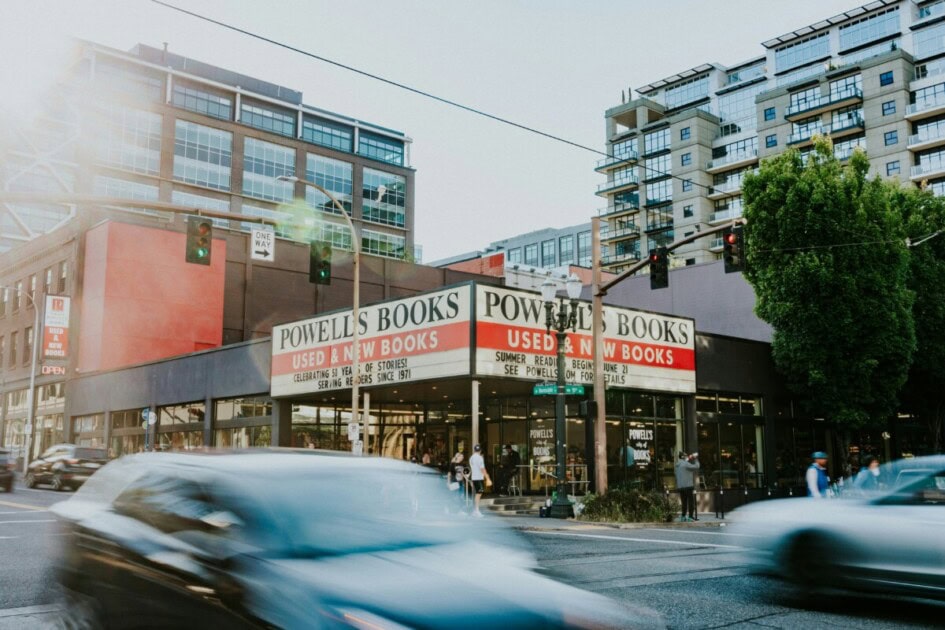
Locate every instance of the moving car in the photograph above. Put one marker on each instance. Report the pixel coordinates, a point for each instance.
(65, 466)
(891, 539)
(300, 539)
(7, 464)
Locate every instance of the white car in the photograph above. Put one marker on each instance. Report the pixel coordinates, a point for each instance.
(889, 539)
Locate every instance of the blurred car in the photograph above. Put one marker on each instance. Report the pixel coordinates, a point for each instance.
(7, 465)
(65, 466)
(891, 539)
(300, 539)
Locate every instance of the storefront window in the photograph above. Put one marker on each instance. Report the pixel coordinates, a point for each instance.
(243, 437)
(89, 430)
(179, 440)
(48, 432)
(127, 435)
(181, 414)
(669, 441)
(709, 454)
(577, 473)
(180, 427)
(238, 408)
(319, 428)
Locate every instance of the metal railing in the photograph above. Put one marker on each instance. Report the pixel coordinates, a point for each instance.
(613, 160)
(617, 182)
(845, 94)
(731, 158)
(724, 215)
(608, 232)
(927, 135)
(928, 169)
(927, 103)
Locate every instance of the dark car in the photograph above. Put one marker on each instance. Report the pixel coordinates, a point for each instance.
(65, 466)
(7, 465)
(300, 539)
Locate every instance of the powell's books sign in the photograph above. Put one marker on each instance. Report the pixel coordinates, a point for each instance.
(483, 331)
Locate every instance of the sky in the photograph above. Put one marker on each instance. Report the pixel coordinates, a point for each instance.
(555, 65)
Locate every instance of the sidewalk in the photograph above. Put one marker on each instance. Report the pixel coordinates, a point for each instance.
(46, 616)
(558, 524)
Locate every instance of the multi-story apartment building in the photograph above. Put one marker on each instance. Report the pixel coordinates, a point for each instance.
(872, 77)
(545, 249)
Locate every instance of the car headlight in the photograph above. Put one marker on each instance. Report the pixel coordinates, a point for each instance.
(364, 620)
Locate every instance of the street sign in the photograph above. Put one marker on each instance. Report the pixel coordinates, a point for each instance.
(550, 389)
(152, 418)
(354, 431)
(357, 447)
(263, 245)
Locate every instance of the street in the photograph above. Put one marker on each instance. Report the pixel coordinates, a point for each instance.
(694, 577)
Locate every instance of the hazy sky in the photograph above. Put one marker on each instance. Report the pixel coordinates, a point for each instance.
(552, 64)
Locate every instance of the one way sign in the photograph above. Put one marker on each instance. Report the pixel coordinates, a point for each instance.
(263, 245)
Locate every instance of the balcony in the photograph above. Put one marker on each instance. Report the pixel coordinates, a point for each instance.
(925, 171)
(827, 102)
(725, 215)
(926, 107)
(927, 138)
(838, 128)
(928, 14)
(716, 243)
(612, 161)
(611, 259)
(731, 160)
(618, 183)
(844, 153)
(805, 135)
(618, 209)
(729, 187)
(623, 230)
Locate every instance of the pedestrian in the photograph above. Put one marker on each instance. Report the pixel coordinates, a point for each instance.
(867, 480)
(687, 467)
(817, 480)
(478, 475)
(513, 462)
(425, 460)
(458, 476)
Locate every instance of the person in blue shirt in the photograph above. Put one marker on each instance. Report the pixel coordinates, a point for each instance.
(817, 480)
(867, 479)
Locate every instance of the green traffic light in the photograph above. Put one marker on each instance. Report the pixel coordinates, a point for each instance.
(202, 252)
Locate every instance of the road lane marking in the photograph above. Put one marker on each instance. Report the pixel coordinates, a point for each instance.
(47, 520)
(19, 512)
(30, 610)
(650, 540)
(687, 531)
(24, 506)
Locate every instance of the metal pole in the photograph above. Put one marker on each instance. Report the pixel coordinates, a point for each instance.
(29, 393)
(597, 326)
(475, 412)
(561, 508)
(356, 298)
(366, 447)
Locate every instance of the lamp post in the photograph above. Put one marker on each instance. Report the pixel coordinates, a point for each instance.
(356, 297)
(565, 318)
(28, 434)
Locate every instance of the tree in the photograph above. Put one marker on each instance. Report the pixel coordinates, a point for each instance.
(924, 392)
(827, 258)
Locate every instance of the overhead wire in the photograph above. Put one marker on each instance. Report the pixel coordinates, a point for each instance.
(468, 108)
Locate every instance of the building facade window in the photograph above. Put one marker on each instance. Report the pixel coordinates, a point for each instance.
(263, 162)
(566, 249)
(132, 80)
(802, 52)
(686, 159)
(687, 185)
(847, 86)
(48, 281)
(769, 113)
(738, 111)
(202, 101)
(548, 253)
(31, 303)
(686, 92)
(660, 239)
(929, 41)
(803, 98)
(891, 137)
(114, 187)
(843, 149)
(381, 244)
(886, 78)
(381, 148)
(657, 141)
(63, 277)
(27, 344)
(661, 166)
(385, 197)
(743, 148)
(687, 212)
(846, 118)
(19, 298)
(771, 141)
(268, 118)
(203, 202)
(531, 255)
(892, 168)
(334, 176)
(684, 133)
(659, 192)
(4, 299)
(202, 155)
(3, 349)
(933, 159)
(889, 108)
(870, 28)
(625, 148)
(515, 255)
(14, 340)
(584, 248)
(129, 139)
(89, 431)
(659, 218)
(328, 133)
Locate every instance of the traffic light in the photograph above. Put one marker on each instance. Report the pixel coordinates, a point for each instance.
(733, 243)
(659, 268)
(319, 265)
(199, 240)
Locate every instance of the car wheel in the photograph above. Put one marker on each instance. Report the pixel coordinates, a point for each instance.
(815, 560)
(57, 484)
(29, 481)
(81, 613)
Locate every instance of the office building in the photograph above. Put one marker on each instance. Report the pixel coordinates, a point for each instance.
(871, 77)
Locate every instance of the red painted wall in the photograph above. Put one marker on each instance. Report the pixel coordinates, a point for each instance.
(141, 301)
(488, 265)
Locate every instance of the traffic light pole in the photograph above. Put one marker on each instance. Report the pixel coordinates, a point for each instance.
(598, 291)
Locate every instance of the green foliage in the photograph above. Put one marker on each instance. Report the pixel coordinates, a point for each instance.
(827, 258)
(625, 505)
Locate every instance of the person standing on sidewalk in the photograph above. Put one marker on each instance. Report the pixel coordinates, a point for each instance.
(477, 472)
(817, 480)
(686, 469)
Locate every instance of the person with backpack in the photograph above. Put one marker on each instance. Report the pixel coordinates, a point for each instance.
(687, 467)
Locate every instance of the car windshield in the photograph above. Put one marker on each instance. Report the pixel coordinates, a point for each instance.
(322, 513)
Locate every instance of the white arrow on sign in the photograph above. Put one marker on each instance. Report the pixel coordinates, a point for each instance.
(263, 245)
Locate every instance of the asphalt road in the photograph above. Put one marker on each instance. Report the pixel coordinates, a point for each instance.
(698, 578)
(695, 578)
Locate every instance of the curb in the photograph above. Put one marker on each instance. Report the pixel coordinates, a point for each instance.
(574, 524)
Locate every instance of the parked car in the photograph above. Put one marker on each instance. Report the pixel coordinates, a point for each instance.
(65, 466)
(7, 464)
(300, 539)
(888, 540)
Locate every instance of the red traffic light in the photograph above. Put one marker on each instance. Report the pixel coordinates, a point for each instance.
(654, 257)
(731, 238)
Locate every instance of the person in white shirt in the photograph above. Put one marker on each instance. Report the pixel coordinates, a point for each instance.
(477, 473)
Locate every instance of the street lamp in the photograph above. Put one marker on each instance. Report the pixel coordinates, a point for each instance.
(356, 298)
(28, 434)
(565, 318)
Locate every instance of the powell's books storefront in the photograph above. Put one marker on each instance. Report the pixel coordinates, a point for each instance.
(444, 369)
